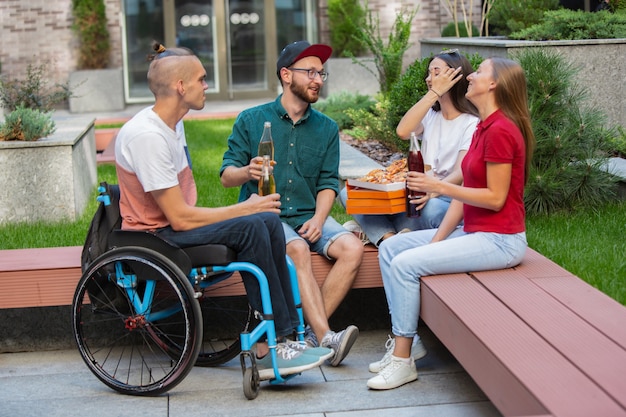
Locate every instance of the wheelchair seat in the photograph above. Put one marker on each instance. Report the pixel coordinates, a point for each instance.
(184, 258)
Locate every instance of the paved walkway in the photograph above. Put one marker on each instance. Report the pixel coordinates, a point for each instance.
(57, 383)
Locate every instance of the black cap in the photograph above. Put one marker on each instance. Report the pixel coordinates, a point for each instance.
(301, 49)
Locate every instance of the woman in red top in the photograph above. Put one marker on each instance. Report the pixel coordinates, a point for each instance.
(484, 227)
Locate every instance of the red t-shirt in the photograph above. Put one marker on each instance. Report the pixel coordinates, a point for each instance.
(496, 139)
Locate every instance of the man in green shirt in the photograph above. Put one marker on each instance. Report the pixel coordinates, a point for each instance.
(306, 169)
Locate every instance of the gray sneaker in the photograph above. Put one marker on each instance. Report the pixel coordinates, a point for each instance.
(418, 351)
(289, 361)
(341, 343)
(310, 338)
(322, 352)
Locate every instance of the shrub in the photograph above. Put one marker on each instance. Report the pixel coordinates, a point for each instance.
(26, 124)
(335, 107)
(32, 92)
(575, 24)
(568, 164)
(508, 16)
(373, 124)
(616, 144)
(90, 24)
(344, 19)
(449, 30)
(387, 56)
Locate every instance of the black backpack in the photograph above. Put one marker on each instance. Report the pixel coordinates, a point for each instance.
(106, 219)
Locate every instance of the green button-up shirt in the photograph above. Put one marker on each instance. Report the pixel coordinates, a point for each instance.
(306, 155)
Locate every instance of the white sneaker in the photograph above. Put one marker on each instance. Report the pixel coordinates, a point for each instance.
(356, 230)
(418, 351)
(397, 372)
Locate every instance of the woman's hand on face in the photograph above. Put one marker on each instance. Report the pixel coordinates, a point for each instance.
(445, 80)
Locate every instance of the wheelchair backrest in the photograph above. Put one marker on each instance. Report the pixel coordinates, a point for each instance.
(104, 233)
(106, 219)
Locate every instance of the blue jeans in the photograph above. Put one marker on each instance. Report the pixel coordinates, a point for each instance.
(331, 230)
(406, 257)
(258, 239)
(375, 226)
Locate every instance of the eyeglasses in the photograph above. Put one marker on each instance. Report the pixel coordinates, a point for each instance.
(449, 52)
(312, 73)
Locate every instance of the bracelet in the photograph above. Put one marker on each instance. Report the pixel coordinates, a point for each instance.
(438, 95)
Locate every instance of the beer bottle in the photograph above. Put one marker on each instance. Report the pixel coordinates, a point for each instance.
(266, 144)
(267, 185)
(415, 163)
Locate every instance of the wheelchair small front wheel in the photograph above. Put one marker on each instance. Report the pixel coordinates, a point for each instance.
(136, 321)
(251, 383)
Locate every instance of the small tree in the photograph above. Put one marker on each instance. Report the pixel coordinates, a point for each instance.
(452, 7)
(387, 56)
(90, 25)
(33, 91)
(344, 19)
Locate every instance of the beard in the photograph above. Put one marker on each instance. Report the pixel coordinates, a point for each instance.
(303, 93)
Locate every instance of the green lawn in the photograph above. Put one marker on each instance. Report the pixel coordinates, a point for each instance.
(590, 244)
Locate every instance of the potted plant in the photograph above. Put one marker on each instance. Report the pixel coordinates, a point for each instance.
(96, 87)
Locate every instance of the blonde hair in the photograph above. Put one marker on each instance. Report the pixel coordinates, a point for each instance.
(512, 98)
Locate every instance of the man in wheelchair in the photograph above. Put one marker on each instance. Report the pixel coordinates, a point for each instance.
(158, 194)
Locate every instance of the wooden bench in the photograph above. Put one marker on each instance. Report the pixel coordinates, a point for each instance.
(48, 276)
(535, 338)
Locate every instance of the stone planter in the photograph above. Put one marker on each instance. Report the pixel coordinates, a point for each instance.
(600, 62)
(50, 179)
(97, 90)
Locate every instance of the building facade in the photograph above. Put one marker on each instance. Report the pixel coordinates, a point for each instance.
(238, 41)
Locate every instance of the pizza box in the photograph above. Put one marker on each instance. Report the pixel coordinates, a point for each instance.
(376, 206)
(393, 186)
(364, 193)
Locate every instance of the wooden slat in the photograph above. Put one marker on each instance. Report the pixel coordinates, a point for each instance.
(590, 350)
(519, 371)
(593, 306)
(535, 265)
(369, 273)
(42, 288)
(48, 276)
(41, 258)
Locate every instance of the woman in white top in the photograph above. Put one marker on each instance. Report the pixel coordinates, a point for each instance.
(446, 123)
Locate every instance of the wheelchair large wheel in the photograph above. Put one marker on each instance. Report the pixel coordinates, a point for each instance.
(136, 321)
(224, 319)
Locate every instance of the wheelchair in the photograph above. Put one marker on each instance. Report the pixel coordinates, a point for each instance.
(144, 312)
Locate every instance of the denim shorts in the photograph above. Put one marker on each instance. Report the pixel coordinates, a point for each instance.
(330, 232)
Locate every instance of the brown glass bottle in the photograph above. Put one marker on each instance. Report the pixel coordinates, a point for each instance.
(415, 162)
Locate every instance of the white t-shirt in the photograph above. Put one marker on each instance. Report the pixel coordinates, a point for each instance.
(150, 156)
(442, 140)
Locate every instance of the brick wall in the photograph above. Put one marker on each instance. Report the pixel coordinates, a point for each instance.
(39, 32)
